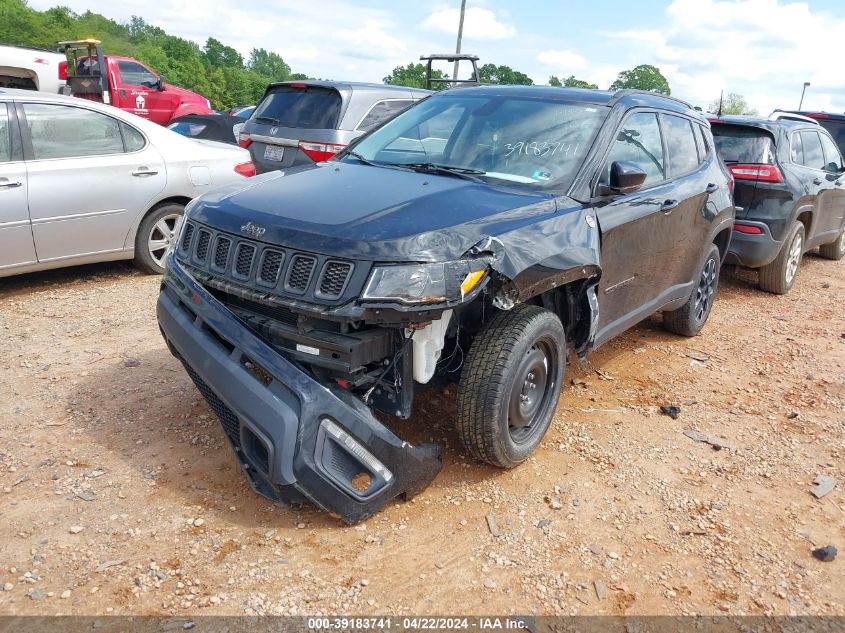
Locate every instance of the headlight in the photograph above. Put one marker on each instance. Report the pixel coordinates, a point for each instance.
(419, 284)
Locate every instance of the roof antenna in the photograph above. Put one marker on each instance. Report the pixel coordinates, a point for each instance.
(721, 97)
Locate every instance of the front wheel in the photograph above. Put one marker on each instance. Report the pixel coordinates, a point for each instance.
(691, 317)
(510, 385)
(157, 234)
(835, 250)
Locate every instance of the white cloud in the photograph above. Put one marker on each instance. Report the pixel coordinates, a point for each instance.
(479, 23)
(764, 49)
(562, 61)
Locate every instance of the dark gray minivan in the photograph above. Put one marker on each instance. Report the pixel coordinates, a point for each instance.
(301, 122)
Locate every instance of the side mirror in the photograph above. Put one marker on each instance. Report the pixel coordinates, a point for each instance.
(625, 177)
(160, 83)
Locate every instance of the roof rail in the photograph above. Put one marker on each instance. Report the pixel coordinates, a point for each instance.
(781, 115)
(627, 92)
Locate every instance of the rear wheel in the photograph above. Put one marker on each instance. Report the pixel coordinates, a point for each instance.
(691, 317)
(157, 234)
(835, 250)
(510, 385)
(779, 276)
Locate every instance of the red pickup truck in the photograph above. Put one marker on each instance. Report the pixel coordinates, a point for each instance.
(125, 83)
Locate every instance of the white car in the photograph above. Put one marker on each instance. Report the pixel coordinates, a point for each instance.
(31, 69)
(85, 182)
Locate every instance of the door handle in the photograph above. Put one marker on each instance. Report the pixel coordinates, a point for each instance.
(142, 172)
(818, 181)
(712, 188)
(668, 206)
(10, 184)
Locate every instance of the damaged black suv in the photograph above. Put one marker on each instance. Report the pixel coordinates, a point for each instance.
(482, 234)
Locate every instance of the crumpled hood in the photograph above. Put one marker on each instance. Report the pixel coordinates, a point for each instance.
(364, 212)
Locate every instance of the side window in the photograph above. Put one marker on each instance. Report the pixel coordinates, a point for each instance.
(134, 74)
(639, 142)
(680, 142)
(133, 140)
(59, 131)
(796, 150)
(832, 157)
(381, 112)
(813, 154)
(5, 135)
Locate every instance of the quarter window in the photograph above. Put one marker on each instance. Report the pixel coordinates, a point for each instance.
(796, 151)
(5, 136)
(832, 157)
(639, 142)
(133, 140)
(63, 131)
(381, 112)
(133, 74)
(813, 154)
(680, 141)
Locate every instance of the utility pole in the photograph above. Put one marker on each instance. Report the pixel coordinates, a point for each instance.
(460, 36)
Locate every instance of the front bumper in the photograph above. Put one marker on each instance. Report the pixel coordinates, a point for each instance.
(294, 437)
(753, 250)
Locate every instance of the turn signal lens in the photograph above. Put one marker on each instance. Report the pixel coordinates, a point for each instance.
(470, 282)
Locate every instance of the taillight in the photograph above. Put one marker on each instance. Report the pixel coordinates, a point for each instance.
(748, 229)
(244, 140)
(63, 70)
(245, 169)
(319, 151)
(759, 173)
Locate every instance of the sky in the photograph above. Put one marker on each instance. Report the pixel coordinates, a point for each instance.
(762, 49)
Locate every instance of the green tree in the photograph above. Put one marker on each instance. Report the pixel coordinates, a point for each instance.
(733, 103)
(492, 74)
(572, 82)
(219, 55)
(413, 76)
(643, 77)
(268, 64)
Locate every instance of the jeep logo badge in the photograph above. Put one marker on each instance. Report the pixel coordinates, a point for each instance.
(253, 229)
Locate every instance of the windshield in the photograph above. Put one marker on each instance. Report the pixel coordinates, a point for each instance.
(743, 144)
(537, 143)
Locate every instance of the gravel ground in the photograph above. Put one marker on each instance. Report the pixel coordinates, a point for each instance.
(120, 495)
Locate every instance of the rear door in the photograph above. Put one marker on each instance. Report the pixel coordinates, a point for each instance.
(90, 177)
(16, 245)
(137, 92)
(634, 233)
(294, 114)
(809, 156)
(832, 207)
(684, 221)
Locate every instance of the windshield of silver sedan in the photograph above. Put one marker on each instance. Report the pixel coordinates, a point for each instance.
(533, 142)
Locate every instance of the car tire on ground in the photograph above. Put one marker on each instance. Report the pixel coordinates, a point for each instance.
(691, 317)
(510, 385)
(835, 250)
(779, 276)
(157, 233)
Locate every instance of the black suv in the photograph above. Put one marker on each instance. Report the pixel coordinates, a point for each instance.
(832, 122)
(480, 235)
(790, 194)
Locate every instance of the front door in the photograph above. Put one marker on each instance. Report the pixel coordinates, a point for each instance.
(90, 178)
(16, 246)
(635, 240)
(138, 94)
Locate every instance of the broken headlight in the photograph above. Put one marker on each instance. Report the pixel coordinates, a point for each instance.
(420, 284)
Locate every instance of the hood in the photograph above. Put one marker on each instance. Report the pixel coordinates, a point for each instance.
(364, 212)
(184, 95)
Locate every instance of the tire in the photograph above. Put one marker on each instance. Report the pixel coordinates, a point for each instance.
(779, 276)
(691, 317)
(835, 250)
(501, 417)
(160, 227)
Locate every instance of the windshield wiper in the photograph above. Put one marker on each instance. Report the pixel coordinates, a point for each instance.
(267, 119)
(447, 170)
(361, 159)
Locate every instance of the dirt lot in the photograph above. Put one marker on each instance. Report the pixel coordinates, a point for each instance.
(120, 494)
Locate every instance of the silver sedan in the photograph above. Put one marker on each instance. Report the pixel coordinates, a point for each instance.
(84, 182)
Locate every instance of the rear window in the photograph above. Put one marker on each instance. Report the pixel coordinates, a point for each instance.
(313, 108)
(837, 131)
(743, 144)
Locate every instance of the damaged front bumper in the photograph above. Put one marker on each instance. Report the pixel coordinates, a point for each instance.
(294, 437)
